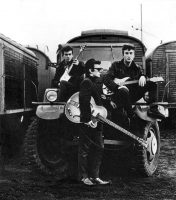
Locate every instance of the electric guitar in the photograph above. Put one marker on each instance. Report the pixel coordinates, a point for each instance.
(72, 112)
(124, 81)
(66, 76)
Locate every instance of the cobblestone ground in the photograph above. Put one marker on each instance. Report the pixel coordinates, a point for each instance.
(18, 182)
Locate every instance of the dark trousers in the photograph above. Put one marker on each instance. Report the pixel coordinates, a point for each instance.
(67, 89)
(126, 97)
(90, 151)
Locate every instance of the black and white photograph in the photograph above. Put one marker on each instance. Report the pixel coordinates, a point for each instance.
(87, 100)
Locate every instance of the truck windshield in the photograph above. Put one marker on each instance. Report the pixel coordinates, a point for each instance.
(103, 52)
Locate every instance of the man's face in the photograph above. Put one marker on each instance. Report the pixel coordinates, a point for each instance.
(96, 71)
(128, 56)
(68, 55)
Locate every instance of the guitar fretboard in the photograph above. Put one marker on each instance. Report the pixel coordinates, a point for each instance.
(155, 79)
(117, 127)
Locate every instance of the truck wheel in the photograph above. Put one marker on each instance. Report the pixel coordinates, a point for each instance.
(146, 159)
(43, 148)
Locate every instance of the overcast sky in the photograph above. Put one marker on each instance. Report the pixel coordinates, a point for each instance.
(50, 22)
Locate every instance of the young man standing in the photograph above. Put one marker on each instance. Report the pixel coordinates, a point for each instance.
(125, 96)
(68, 80)
(91, 142)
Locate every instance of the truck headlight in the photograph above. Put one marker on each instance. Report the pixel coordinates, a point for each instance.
(51, 95)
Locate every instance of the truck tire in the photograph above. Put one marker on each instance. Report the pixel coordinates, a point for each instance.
(43, 148)
(146, 159)
(172, 117)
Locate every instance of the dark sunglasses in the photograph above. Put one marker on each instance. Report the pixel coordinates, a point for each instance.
(98, 69)
(67, 54)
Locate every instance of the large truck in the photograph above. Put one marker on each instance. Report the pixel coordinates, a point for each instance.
(51, 140)
(162, 62)
(24, 73)
(45, 73)
(18, 88)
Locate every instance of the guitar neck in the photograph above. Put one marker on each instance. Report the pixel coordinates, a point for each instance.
(107, 121)
(99, 117)
(135, 81)
(130, 82)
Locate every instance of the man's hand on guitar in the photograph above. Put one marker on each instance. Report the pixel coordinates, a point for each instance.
(92, 123)
(120, 82)
(113, 104)
(75, 62)
(142, 81)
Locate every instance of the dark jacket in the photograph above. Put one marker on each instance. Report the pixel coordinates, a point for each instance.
(76, 73)
(119, 70)
(89, 87)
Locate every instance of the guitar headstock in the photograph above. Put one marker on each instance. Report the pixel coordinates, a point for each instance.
(82, 48)
(157, 79)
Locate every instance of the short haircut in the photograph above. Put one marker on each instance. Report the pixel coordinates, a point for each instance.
(90, 65)
(128, 47)
(66, 49)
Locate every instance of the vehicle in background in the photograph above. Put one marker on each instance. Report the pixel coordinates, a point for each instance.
(18, 88)
(45, 73)
(162, 62)
(24, 75)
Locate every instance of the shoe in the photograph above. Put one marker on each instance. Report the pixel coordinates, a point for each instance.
(87, 181)
(98, 181)
(154, 113)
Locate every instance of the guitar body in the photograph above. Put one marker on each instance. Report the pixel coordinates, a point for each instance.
(72, 110)
(65, 76)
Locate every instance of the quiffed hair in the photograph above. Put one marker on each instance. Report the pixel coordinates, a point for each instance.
(128, 47)
(66, 49)
(90, 65)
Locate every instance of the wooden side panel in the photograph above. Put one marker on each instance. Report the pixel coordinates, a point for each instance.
(45, 74)
(15, 97)
(171, 74)
(159, 69)
(163, 64)
(1, 79)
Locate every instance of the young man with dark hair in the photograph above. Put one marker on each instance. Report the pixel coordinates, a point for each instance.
(91, 142)
(67, 49)
(127, 95)
(68, 80)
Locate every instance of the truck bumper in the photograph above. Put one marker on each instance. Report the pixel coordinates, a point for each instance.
(50, 112)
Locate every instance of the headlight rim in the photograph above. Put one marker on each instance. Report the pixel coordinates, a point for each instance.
(48, 95)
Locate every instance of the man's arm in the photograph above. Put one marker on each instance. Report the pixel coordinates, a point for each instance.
(78, 69)
(58, 74)
(84, 100)
(141, 76)
(108, 78)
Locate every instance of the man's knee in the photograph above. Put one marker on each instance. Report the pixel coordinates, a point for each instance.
(123, 92)
(151, 86)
